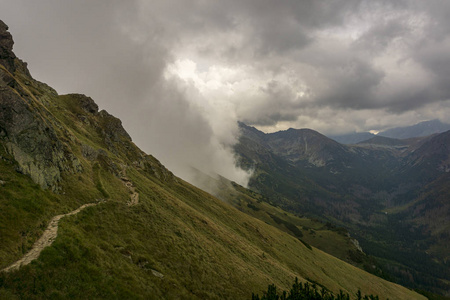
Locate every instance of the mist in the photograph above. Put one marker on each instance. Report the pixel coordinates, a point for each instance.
(180, 74)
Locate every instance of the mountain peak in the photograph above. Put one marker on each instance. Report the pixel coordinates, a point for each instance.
(421, 129)
(7, 56)
(304, 134)
(297, 145)
(6, 40)
(301, 131)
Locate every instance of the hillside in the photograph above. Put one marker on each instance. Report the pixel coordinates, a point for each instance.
(352, 138)
(418, 130)
(383, 191)
(145, 233)
(322, 235)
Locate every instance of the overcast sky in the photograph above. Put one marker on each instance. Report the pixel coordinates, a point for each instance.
(180, 73)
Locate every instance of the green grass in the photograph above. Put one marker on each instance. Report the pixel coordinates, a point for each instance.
(331, 239)
(204, 247)
(24, 211)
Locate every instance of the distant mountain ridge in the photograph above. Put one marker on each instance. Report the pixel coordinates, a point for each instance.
(352, 138)
(418, 130)
(381, 140)
(300, 144)
(370, 188)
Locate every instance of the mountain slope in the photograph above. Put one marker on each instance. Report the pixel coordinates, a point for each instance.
(434, 154)
(417, 130)
(371, 189)
(384, 141)
(352, 138)
(322, 235)
(309, 166)
(297, 145)
(178, 242)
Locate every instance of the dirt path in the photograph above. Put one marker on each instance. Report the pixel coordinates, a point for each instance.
(134, 196)
(45, 240)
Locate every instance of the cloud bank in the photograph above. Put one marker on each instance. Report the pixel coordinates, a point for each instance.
(180, 74)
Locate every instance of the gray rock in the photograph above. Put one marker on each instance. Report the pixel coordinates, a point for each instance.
(6, 44)
(157, 274)
(86, 103)
(7, 57)
(89, 152)
(113, 128)
(26, 128)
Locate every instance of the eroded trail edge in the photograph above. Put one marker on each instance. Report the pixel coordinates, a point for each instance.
(134, 196)
(45, 240)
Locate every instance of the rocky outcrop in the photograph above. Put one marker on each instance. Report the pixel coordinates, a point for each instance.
(90, 153)
(6, 44)
(153, 166)
(86, 103)
(32, 141)
(7, 57)
(26, 128)
(34, 133)
(113, 128)
(109, 127)
(113, 132)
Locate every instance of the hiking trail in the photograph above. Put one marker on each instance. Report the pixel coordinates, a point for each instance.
(134, 196)
(47, 238)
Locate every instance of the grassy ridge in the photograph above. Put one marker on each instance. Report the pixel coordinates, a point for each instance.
(204, 248)
(330, 239)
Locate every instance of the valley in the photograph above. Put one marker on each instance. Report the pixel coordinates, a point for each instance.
(379, 190)
(154, 236)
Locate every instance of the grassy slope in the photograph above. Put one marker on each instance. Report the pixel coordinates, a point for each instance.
(204, 247)
(328, 238)
(400, 243)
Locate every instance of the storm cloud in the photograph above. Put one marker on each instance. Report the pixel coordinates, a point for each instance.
(180, 74)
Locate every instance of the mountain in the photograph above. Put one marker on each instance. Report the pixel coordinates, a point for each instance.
(434, 154)
(312, 155)
(418, 130)
(384, 141)
(298, 145)
(352, 138)
(322, 235)
(85, 214)
(370, 188)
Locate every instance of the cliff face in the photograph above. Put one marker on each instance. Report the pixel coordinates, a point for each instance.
(40, 144)
(6, 44)
(23, 129)
(32, 126)
(7, 57)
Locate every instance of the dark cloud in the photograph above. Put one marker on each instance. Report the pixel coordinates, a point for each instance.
(108, 51)
(351, 85)
(181, 73)
(381, 35)
(279, 37)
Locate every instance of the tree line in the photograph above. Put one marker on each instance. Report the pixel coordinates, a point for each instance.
(307, 291)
